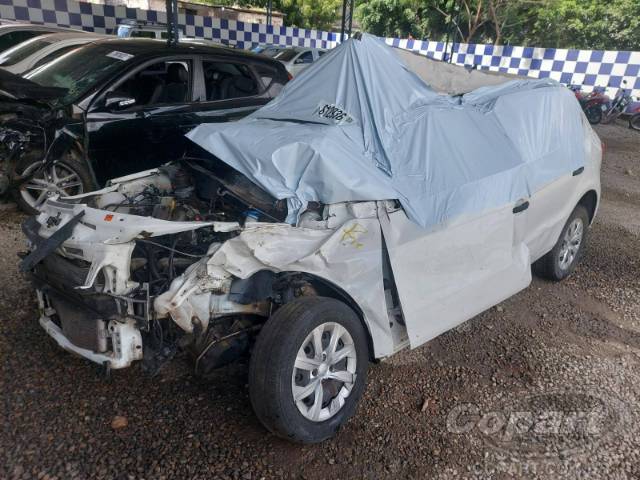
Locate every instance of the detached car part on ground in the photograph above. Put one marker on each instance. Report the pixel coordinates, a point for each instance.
(118, 106)
(312, 242)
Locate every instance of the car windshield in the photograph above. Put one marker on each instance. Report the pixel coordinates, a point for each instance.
(285, 55)
(79, 70)
(22, 51)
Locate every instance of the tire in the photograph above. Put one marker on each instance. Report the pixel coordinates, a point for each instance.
(555, 265)
(71, 164)
(273, 377)
(634, 122)
(594, 114)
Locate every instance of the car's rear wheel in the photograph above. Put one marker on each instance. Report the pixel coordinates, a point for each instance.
(67, 176)
(308, 369)
(634, 122)
(560, 262)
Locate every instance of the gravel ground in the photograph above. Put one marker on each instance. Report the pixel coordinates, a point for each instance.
(544, 385)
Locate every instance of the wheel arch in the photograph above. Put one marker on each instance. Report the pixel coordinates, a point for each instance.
(590, 201)
(291, 284)
(327, 288)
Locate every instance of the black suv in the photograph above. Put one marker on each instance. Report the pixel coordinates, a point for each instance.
(115, 107)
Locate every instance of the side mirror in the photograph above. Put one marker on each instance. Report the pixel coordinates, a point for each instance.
(118, 101)
(299, 61)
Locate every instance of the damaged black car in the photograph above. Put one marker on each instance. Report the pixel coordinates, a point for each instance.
(114, 107)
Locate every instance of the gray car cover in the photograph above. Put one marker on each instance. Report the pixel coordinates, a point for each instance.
(360, 125)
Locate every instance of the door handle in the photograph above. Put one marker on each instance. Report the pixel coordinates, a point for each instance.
(521, 207)
(578, 171)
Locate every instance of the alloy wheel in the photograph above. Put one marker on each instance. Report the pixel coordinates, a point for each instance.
(57, 179)
(571, 243)
(324, 372)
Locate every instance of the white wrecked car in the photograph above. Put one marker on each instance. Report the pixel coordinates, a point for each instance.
(359, 213)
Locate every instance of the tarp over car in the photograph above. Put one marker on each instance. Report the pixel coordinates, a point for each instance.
(359, 124)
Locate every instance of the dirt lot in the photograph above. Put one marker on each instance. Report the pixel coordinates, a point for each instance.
(544, 385)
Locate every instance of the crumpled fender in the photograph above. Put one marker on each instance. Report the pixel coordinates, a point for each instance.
(349, 257)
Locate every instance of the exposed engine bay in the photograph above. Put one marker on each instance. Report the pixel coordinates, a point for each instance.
(157, 310)
(190, 191)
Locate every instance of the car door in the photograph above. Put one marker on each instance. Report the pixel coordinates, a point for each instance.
(144, 129)
(449, 273)
(550, 209)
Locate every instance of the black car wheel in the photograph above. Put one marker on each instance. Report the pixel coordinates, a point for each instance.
(67, 176)
(308, 369)
(560, 262)
(594, 114)
(634, 122)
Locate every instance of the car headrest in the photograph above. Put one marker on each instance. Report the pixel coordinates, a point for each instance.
(177, 73)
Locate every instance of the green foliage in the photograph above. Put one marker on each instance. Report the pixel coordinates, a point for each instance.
(588, 24)
(592, 24)
(318, 14)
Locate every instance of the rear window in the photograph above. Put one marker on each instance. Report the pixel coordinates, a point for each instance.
(271, 51)
(285, 55)
(21, 51)
(271, 78)
(13, 38)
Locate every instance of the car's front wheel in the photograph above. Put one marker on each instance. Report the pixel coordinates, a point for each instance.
(308, 369)
(66, 177)
(563, 257)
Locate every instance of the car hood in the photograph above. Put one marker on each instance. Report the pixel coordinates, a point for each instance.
(15, 87)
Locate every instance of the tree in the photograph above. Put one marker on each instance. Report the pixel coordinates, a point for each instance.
(317, 14)
(587, 24)
(401, 18)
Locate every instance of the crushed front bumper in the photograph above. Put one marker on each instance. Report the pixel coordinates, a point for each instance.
(122, 339)
(93, 325)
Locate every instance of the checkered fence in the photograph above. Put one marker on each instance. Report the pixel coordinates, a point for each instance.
(105, 18)
(588, 68)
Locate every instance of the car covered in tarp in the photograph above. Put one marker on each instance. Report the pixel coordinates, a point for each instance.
(380, 200)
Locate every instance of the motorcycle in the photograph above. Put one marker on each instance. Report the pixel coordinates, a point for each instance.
(593, 104)
(633, 111)
(618, 105)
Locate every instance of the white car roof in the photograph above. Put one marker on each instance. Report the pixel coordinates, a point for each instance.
(59, 37)
(11, 27)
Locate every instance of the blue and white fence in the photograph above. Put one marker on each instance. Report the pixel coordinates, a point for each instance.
(105, 18)
(588, 68)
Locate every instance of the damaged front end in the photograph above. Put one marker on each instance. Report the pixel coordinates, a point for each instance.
(148, 266)
(36, 130)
